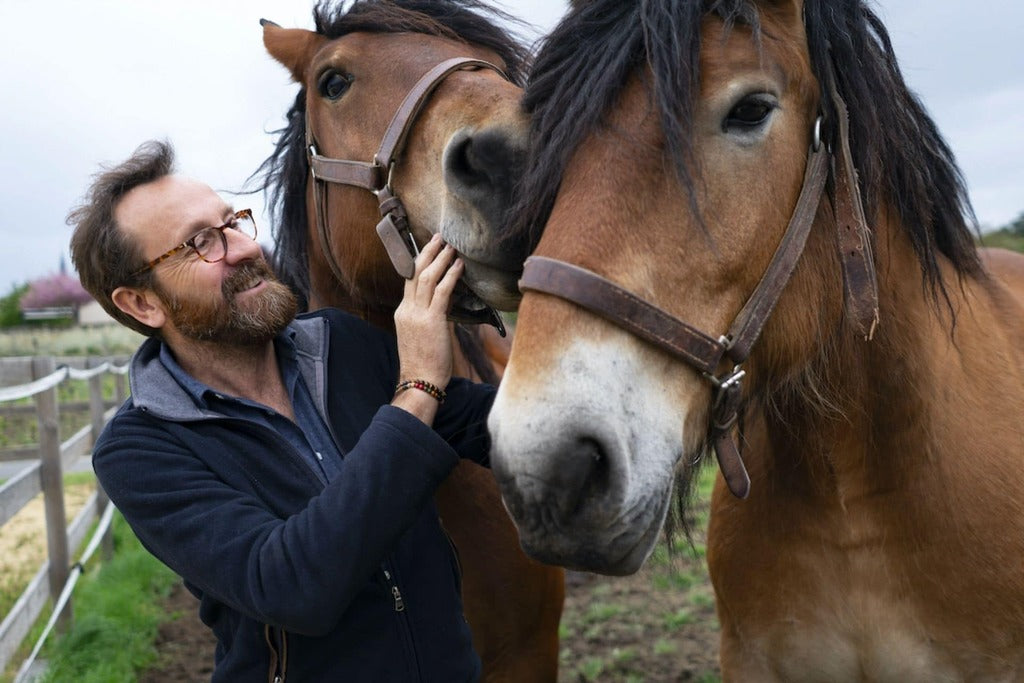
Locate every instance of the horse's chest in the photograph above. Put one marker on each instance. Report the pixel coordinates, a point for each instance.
(866, 641)
(815, 601)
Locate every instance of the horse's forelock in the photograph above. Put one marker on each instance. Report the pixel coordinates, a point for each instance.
(582, 67)
(471, 21)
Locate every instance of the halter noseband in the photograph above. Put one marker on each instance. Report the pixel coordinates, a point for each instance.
(702, 351)
(393, 228)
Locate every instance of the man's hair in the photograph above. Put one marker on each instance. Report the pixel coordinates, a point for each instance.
(103, 255)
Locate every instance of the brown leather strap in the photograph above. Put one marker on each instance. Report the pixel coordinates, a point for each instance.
(860, 282)
(607, 299)
(747, 326)
(589, 290)
(398, 130)
(358, 173)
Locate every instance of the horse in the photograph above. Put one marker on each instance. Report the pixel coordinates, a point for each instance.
(407, 119)
(750, 239)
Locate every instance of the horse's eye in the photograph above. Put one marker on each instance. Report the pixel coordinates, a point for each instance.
(750, 112)
(334, 84)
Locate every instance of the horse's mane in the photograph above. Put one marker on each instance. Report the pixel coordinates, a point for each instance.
(283, 175)
(901, 158)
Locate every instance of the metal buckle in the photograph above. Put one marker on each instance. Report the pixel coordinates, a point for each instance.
(727, 380)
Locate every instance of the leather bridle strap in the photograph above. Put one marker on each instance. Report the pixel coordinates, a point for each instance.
(860, 282)
(376, 176)
(623, 308)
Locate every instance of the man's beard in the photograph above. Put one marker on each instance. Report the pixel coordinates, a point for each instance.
(225, 321)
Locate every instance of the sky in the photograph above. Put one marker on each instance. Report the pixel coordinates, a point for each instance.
(83, 83)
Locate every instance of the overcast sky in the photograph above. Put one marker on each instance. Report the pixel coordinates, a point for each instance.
(84, 82)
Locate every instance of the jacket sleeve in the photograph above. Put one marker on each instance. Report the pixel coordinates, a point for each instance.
(218, 528)
(462, 420)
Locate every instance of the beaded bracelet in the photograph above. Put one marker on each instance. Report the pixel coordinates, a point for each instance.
(423, 385)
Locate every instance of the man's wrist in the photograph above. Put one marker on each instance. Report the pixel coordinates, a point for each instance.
(426, 386)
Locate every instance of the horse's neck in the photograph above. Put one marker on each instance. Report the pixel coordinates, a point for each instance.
(871, 416)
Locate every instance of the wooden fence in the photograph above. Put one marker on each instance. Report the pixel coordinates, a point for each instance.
(38, 378)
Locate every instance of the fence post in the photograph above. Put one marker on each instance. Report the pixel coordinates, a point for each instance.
(51, 478)
(96, 410)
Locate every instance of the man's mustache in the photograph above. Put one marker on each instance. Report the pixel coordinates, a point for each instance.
(243, 277)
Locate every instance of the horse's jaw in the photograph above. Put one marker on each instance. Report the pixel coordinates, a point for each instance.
(584, 448)
(494, 286)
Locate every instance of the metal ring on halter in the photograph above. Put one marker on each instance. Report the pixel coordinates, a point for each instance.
(727, 380)
(817, 133)
(391, 174)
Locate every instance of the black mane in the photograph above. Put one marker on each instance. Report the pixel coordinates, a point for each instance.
(901, 158)
(284, 174)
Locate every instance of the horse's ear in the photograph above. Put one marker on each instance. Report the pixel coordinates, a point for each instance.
(292, 47)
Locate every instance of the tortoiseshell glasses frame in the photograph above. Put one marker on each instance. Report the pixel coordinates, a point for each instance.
(209, 244)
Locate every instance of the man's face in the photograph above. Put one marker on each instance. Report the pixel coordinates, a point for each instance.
(236, 301)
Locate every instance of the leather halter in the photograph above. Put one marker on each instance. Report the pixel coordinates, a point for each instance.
(393, 228)
(704, 352)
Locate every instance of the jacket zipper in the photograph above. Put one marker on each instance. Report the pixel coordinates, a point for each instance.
(278, 653)
(391, 581)
(397, 594)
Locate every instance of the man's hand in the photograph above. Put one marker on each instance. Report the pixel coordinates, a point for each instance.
(424, 338)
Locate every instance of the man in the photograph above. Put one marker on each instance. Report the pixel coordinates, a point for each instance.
(283, 467)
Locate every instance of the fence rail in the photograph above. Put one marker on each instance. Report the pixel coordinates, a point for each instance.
(38, 378)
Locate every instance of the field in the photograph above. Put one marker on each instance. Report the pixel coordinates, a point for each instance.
(103, 340)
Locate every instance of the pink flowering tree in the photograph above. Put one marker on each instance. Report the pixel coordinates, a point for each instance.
(59, 289)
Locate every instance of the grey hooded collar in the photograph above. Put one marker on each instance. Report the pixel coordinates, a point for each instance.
(155, 391)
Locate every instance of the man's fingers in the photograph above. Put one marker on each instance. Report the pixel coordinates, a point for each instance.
(444, 289)
(427, 254)
(432, 274)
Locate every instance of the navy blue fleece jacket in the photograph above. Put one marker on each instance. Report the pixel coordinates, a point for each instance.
(355, 581)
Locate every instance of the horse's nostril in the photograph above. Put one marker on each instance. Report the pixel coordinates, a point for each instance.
(485, 161)
(583, 478)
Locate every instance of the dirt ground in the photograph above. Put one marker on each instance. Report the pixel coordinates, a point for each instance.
(658, 625)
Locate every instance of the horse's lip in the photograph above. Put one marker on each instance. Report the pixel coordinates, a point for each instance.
(468, 308)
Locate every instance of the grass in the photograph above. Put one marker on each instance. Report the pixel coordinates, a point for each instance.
(604, 638)
(23, 538)
(1004, 239)
(102, 340)
(117, 616)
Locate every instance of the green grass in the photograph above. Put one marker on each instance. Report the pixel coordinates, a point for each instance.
(103, 340)
(1004, 239)
(117, 613)
(679, 618)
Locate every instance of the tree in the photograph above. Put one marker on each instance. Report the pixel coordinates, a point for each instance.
(55, 290)
(1016, 227)
(10, 310)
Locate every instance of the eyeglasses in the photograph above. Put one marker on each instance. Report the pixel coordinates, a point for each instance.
(210, 244)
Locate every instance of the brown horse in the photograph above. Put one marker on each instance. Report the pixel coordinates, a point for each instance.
(446, 165)
(750, 182)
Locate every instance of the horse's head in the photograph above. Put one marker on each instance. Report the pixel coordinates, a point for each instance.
(453, 153)
(670, 147)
